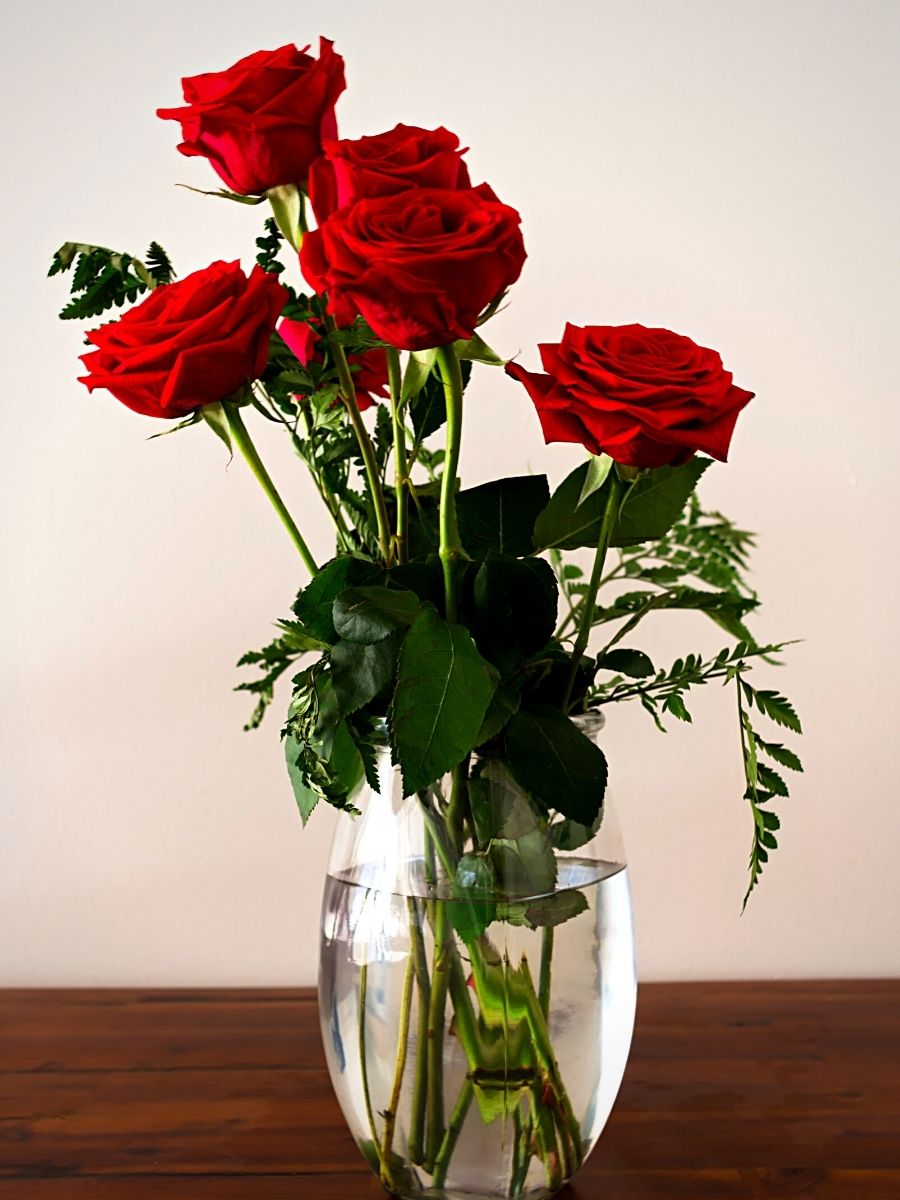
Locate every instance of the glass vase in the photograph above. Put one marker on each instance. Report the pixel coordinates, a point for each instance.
(476, 1033)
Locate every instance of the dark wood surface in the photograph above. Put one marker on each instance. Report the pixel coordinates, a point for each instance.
(733, 1091)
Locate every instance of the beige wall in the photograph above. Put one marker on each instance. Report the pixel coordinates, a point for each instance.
(727, 169)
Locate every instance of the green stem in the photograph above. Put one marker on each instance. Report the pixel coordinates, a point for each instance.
(610, 513)
(546, 966)
(401, 466)
(364, 1070)
(451, 549)
(366, 449)
(440, 977)
(543, 1046)
(457, 1117)
(546, 1139)
(241, 438)
(420, 1076)
(390, 1115)
(521, 1154)
(458, 808)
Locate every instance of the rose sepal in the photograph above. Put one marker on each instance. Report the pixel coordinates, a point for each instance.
(287, 209)
(476, 349)
(223, 194)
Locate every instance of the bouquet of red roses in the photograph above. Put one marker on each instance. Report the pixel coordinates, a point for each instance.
(449, 637)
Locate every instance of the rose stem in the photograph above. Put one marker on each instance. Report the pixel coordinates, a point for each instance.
(244, 443)
(544, 1049)
(401, 466)
(546, 1137)
(451, 550)
(390, 1114)
(546, 965)
(457, 1117)
(613, 504)
(522, 1156)
(367, 450)
(364, 1071)
(420, 1078)
(435, 1051)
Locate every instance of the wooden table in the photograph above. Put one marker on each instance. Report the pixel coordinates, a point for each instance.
(733, 1090)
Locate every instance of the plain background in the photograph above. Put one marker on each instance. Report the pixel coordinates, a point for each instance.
(725, 169)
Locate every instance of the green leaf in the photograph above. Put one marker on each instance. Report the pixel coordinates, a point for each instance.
(675, 705)
(428, 408)
(565, 523)
(599, 466)
(650, 508)
(633, 663)
(499, 809)
(368, 614)
(653, 504)
(443, 690)
(473, 906)
(568, 835)
(315, 603)
(776, 707)
(102, 279)
(504, 702)
(780, 754)
(524, 866)
(360, 672)
(500, 515)
(515, 606)
(306, 797)
(556, 909)
(770, 780)
(159, 264)
(553, 760)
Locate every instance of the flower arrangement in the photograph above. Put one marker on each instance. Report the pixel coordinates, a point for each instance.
(454, 622)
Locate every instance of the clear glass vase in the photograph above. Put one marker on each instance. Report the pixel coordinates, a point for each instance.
(476, 1036)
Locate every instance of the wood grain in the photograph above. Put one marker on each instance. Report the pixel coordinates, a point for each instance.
(735, 1091)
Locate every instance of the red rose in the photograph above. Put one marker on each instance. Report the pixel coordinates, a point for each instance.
(646, 397)
(419, 266)
(403, 157)
(261, 122)
(371, 375)
(189, 343)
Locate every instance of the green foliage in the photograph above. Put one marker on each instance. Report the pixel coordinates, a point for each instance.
(322, 760)
(556, 764)
(500, 515)
(315, 603)
(763, 782)
(269, 247)
(656, 501)
(634, 663)
(443, 690)
(513, 608)
(368, 614)
(574, 514)
(273, 660)
(159, 264)
(361, 672)
(104, 279)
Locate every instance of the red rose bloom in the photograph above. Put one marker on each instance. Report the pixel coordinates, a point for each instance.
(419, 266)
(261, 122)
(370, 374)
(646, 397)
(403, 157)
(189, 343)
